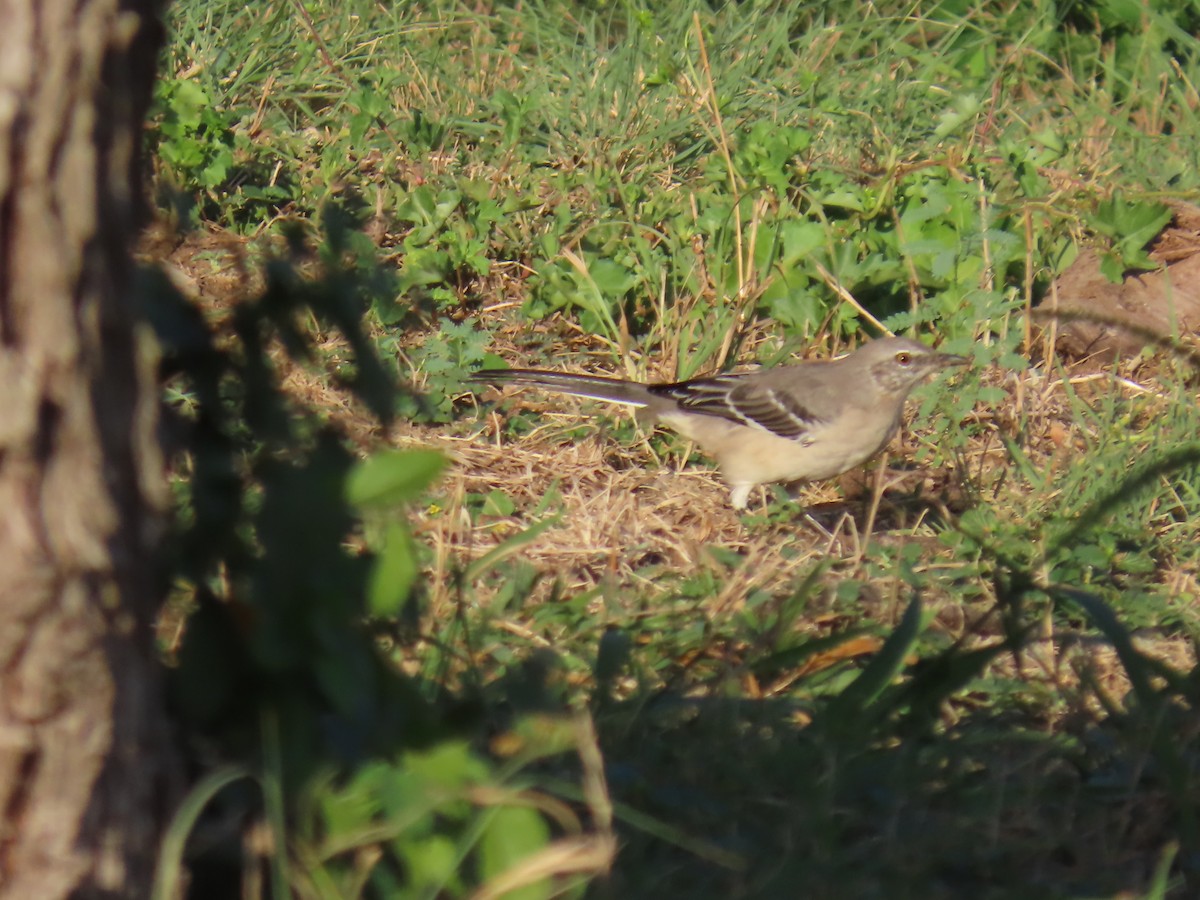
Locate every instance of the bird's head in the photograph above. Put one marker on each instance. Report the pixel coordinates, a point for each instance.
(899, 364)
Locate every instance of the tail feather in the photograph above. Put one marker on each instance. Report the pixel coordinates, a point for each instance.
(596, 387)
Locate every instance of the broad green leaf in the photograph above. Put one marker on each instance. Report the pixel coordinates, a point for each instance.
(513, 833)
(432, 860)
(450, 764)
(424, 266)
(800, 239)
(1112, 267)
(498, 503)
(611, 278)
(354, 807)
(393, 573)
(392, 477)
(965, 108)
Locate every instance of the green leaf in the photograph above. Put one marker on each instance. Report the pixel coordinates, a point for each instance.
(168, 881)
(514, 833)
(498, 503)
(1128, 14)
(393, 573)
(1162, 881)
(431, 861)
(1090, 555)
(611, 278)
(964, 109)
(188, 100)
(1112, 267)
(352, 808)
(392, 477)
(449, 765)
(883, 667)
(800, 239)
(422, 267)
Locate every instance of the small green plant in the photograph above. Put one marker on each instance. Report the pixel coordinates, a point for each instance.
(204, 155)
(440, 367)
(379, 485)
(434, 823)
(359, 781)
(1129, 226)
(195, 138)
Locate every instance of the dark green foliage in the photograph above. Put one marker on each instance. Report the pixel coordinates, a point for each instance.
(262, 537)
(279, 675)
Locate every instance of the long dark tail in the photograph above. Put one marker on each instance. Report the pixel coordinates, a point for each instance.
(614, 390)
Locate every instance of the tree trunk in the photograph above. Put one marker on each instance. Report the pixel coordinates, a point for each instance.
(85, 760)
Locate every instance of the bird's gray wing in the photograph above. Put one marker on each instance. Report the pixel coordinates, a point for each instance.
(747, 400)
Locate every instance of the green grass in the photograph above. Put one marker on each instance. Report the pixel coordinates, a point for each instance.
(966, 699)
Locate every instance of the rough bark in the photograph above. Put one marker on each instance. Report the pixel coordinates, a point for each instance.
(84, 755)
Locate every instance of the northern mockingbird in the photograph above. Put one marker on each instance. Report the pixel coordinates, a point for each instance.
(802, 422)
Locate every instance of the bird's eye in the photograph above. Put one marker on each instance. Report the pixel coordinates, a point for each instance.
(903, 358)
